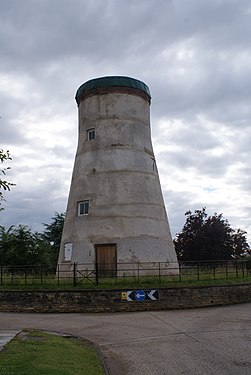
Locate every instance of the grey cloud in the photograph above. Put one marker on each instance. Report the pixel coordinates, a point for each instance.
(44, 30)
(223, 93)
(211, 166)
(177, 204)
(32, 206)
(30, 213)
(10, 134)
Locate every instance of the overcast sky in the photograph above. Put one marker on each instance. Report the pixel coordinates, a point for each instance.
(194, 55)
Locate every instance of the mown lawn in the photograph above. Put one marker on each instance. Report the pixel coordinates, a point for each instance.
(39, 353)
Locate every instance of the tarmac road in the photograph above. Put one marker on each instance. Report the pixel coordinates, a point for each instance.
(215, 340)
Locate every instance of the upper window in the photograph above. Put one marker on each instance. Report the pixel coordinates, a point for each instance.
(83, 208)
(90, 134)
(154, 164)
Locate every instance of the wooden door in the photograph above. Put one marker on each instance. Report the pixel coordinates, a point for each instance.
(106, 260)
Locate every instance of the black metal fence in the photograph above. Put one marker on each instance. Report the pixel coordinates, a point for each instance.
(90, 275)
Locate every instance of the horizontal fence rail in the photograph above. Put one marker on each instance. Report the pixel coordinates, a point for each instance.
(89, 275)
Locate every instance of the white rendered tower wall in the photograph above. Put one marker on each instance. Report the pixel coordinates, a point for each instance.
(115, 209)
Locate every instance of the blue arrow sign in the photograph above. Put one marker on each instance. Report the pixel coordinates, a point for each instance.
(140, 295)
(137, 295)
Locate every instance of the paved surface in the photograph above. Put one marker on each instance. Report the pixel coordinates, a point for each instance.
(214, 340)
(6, 335)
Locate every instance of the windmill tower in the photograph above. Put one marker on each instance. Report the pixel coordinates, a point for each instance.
(115, 209)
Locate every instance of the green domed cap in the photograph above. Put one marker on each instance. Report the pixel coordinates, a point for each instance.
(112, 81)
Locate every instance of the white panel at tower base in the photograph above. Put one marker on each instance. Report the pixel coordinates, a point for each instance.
(115, 211)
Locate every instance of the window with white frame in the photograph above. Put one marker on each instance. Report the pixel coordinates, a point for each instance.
(83, 208)
(90, 134)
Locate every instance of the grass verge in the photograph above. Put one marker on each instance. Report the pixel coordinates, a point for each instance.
(131, 282)
(40, 353)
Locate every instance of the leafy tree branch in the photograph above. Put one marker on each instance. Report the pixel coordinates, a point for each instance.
(4, 184)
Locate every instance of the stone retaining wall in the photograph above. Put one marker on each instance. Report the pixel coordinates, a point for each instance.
(71, 301)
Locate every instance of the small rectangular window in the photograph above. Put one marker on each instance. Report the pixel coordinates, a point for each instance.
(83, 208)
(90, 134)
(154, 164)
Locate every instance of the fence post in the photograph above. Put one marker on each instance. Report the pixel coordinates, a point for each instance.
(198, 270)
(58, 273)
(97, 273)
(1, 275)
(227, 270)
(138, 271)
(242, 268)
(236, 269)
(159, 273)
(74, 274)
(41, 274)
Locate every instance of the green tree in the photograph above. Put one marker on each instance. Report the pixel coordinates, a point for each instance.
(52, 234)
(5, 185)
(209, 238)
(20, 247)
(240, 245)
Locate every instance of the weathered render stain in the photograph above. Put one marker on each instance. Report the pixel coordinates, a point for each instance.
(117, 173)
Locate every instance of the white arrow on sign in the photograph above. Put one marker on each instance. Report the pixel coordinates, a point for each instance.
(128, 295)
(151, 295)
